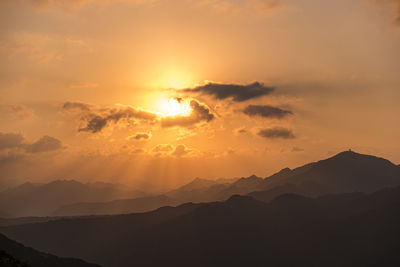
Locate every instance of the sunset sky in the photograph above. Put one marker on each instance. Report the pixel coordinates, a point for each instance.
(153, 93)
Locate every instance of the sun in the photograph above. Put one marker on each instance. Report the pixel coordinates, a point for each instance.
(174, 106)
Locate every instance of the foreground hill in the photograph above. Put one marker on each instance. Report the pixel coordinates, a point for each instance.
(43, 199)
(7, 260)
(353, 229)
(13, 254)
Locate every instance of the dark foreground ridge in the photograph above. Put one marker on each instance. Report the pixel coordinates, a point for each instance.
(13, 254)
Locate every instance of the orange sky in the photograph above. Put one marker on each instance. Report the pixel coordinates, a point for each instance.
(154, 93)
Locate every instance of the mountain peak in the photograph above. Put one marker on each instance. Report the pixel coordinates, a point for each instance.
(348, 153)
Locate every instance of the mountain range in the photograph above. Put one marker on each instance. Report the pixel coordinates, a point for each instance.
(340, 211)
(31, 199)
(345, 172)
(353, 229)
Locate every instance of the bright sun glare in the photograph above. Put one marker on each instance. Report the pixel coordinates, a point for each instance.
(175, 107)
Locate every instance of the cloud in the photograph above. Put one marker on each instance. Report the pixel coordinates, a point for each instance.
(276, 132)
(242, 6)
(181, 150)
(17, 143)
(140, 136)
(261, 6)
(76, 105)
(199, 113)
(266, 111)
(97, 119)
(238, 93)
(395, 5)
(163, 148)
(10, 140)
(241, 130)
(18, 111)
(44, 144)
(170, 150)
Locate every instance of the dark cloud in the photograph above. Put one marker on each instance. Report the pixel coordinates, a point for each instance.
(16, 142)
(199, 113)
(276, 132)
(97, 120)
(237, 92)
(10, 140)
(44, 144)
(140, 136)
(76, 105)
(266, 111)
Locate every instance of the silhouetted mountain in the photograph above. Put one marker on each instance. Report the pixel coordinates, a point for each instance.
(116, 206)
(13, 254)
(353, 229)
(43, 199)
(345, 172)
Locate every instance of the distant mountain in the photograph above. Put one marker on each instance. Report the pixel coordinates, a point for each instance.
(345, 172)
(13, 254)
(42, 199)
(198, 190)
(202, 190)
(116, 206)
(196, 184)
(241, 186)
(353, 229)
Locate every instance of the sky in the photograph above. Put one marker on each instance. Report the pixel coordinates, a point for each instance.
(153, 93)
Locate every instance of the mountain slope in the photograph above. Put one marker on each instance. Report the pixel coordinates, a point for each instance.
(337, 230)
(7, 260)
(15, 254)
